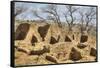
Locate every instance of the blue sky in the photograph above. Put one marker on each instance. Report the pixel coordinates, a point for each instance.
(28, 15)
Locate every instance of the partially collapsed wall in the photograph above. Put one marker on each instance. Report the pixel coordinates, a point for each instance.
(55, 44)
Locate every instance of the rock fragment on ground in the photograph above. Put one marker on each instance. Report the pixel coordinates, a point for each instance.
(75, 55)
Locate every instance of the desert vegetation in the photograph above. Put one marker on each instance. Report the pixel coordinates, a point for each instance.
(54, 35)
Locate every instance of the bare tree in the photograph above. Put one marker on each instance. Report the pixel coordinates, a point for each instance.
(70, 19)
(53, 14)
(89, 17)
(81, 21)
(86, 19)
